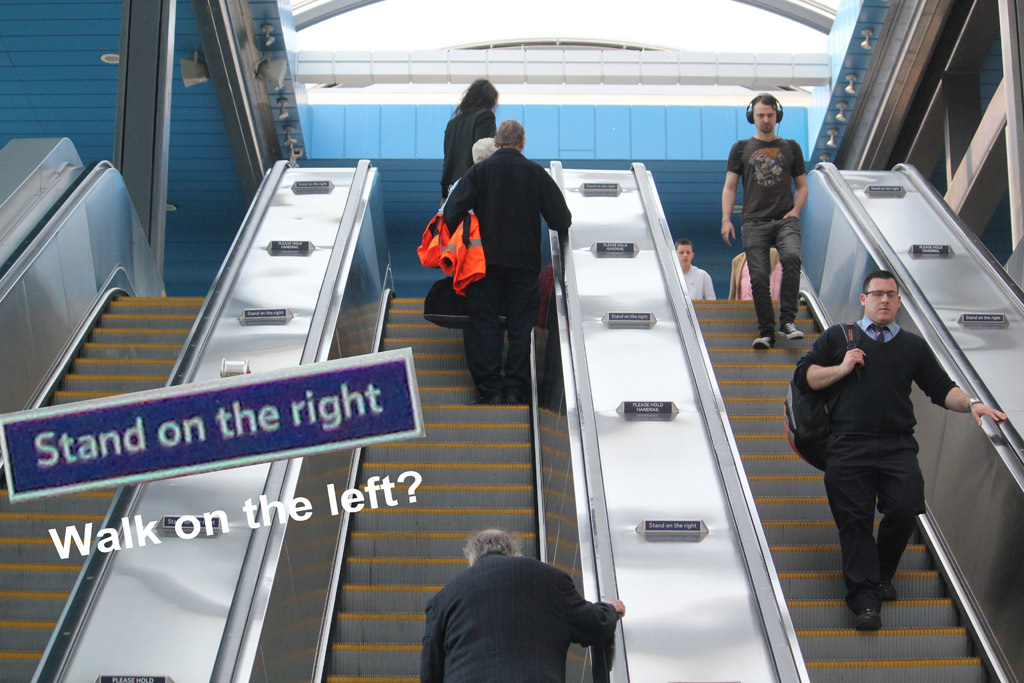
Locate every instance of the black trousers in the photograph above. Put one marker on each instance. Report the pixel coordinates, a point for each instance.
(758, 239)
(859, 470)
(514, 291)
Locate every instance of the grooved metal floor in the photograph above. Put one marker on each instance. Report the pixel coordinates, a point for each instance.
(477, 468)
(921, 640)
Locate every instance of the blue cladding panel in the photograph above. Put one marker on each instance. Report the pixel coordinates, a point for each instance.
(682, 125)
(794, 127)
(398, 132)
(507, 112)
(647, 133)
(576, 131)
(326, 137)
(431, 120)
(541, 123)
(612, 132)
(362, 131)
(718, 131)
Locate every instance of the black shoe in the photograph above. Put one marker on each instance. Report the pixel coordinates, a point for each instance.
(888, 591)
(763, 343)
(487, 400)
(514, 399)
(867, 620)
(791, 331)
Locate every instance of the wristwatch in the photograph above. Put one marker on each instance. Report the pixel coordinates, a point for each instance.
(970, 404)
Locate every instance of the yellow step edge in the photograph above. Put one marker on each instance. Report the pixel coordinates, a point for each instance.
(747, 349)
(802, 523)
(448, 466)
(406, 560)
(912, 548)
(86, 394)
(770, 456)
(456, 406)
(746, 366)
(786, 477)
(472, 487)
(423, 444)
(423, 534)
(924, 602)
(127, 300)
(829, 632)
(28, 567)
(391, 587)
(904, 574)
(754, 383)
(404, 616)
(746, 321)
(892, 663)
(52, 515)
(373, 679)
(13, 623)
(145, 316)
(756, 399)
(25, 541)
(378, 647)
(753, 437)
(438, 355)
(467, 425)
(116, 330)
(117, 378)
(756, 418)
(448, 511)
(98, 345)
(127, 361)
(788, 499)
(406, 300)
(20, 655)
(34, 595)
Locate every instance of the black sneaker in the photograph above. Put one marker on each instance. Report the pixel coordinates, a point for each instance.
(888, 591)
(487, 400)
(763, 343)
(868, 620)
(791, 331)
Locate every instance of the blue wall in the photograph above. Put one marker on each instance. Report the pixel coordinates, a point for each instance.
(566, 132)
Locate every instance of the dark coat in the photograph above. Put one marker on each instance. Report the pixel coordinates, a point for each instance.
(509, 194)
(460, 135)
(509, 620)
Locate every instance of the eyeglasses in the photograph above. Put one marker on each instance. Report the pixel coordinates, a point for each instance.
(879, 293)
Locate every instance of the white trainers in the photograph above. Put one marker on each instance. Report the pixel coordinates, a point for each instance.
(763, 343)
(791, 331)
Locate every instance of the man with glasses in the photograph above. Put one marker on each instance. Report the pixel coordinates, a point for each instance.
(872, 453)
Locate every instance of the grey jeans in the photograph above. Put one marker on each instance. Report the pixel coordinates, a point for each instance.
(758, 237)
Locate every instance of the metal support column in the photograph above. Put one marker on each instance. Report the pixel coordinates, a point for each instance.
(144, 111)
(1010, 29)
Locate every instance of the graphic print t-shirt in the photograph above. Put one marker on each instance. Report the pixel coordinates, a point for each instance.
(767, 169)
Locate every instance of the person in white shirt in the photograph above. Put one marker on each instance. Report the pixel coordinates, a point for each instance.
(698, 282)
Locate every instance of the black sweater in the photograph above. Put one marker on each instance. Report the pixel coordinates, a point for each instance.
(878, 401)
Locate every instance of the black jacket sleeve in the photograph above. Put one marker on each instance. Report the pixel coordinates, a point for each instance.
(930, 376)
(552, 204)
(461, 200)
(829, 349)
(590, 623)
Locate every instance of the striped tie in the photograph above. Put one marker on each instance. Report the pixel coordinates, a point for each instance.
(879, 331)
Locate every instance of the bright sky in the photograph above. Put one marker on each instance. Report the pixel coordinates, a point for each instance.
(684, 25)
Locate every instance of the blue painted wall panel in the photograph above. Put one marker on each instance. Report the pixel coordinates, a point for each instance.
(507, 112)
(681, 127)
(648, 129)
(541, 123)
(431, 120)
(362, 131)
(612, 132)
(718, 131)
(398, 132)
(576, 131)
(326, 137)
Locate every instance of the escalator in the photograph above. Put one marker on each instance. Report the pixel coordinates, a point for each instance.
(132, 346)
(477, 469)
(923, 638)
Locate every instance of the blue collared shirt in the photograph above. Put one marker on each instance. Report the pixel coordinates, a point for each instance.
(892, 329)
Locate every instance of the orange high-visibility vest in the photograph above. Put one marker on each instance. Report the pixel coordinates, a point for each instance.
(435, 237)
(464, 259)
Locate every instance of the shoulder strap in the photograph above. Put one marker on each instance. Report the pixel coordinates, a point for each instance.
(852, 336)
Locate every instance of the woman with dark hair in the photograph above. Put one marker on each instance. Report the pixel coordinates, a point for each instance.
(472, 120)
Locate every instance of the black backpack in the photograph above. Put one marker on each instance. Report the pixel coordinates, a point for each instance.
(807, 421)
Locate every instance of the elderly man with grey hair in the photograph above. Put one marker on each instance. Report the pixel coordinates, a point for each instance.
(508, 618)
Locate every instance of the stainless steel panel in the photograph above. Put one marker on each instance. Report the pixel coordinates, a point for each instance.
(658, 470)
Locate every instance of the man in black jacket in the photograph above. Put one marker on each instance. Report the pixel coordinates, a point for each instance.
(872, 452)
(509, 194)
(509, 619)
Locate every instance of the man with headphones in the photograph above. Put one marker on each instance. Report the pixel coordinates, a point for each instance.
(770, 167)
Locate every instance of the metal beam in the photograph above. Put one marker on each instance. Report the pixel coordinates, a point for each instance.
(230, 46)
(1011, 16)
(981, 181)
(807, 12)
(143, 115)
(961, 96)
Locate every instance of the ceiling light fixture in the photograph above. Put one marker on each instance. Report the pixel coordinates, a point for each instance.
(851, 79)
(268, 39)
(111, 58)
(832, 133)
(867, 33)
(288, 139)
(841, 116)
(282, 113)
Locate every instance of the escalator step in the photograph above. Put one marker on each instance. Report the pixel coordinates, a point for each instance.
(109, 366)
(377, 570)
(139, 336)
(458, 415)
(457, 473)
(486, 496)
(800, 485)
(25, 604)
(24, 635)
(386, 598)
(965, 670)
(757, 424)
(792, 532)
(436, 544)
(773, 508)
(453, 452)
(739, 406)
(819, 614)
(947, 643)
(108, 385)
(38, 576)
(477, 433)
(423, 330)
(824, 585)
(766, 444)
(380, 627)
(809, 558)
(780, 463)
(783, 354)
(149, 321)
(443, 378)
(431, 345)
(728, 340)
(134, 351)
(412, 518)
(388, 659)
(440, 361)
(768, 388)
(742, 371)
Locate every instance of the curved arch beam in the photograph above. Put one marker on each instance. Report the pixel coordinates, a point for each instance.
(807, 12)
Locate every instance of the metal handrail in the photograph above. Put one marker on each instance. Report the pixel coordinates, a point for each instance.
(775, 618)
(1005, 438)
(579, 373)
